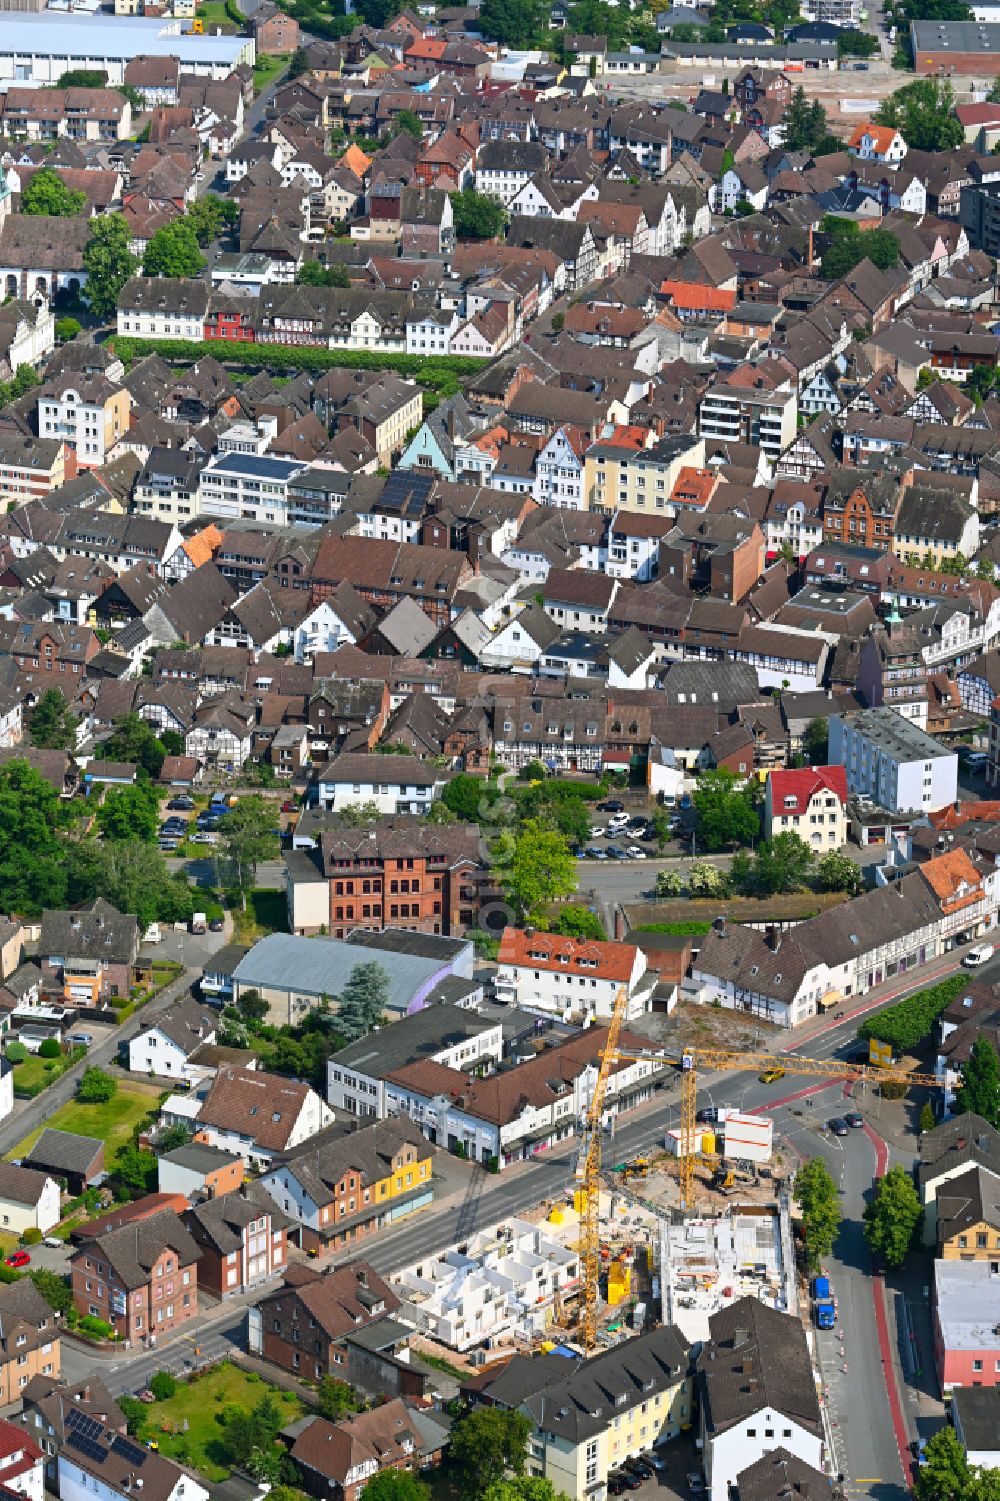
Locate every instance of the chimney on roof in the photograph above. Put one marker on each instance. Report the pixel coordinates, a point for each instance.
(363, 1276)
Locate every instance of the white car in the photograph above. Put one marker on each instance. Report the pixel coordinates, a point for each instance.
(204, 838)
(598, 833)
(982, 954)
(635, 853)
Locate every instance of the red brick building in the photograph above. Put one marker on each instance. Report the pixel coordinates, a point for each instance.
(142, 1278)
(438, 874)
(242, 1238)
(340, 1458)
(861, 509)
(303, 1325)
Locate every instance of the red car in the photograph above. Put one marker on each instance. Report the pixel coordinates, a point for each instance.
(17, 1258)
(289, 807)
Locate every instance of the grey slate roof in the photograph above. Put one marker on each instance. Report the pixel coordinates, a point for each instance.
(133, 1249)
(757, 1357)
(582, 1404)
(322, 966)
(97, 931)
(64, 1151)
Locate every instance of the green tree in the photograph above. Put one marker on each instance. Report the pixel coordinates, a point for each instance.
(49, 1048)
(134, 1413)
(879, 246)
(130, 813)
(819, 1203)
(298, 65)
(136, 1169)
(477, 216)
(892, 1217)
(32, 855)
(363, 1001)
(409, 122)
(516, 23)
(52, 726)
(945, 1474)
(980, 1091)
(247, 833)
(173, 1137)
(16, 1052)
(315, 274)
(82, 78)
(46, 195)
(163, 1386)
(816, 741)
(541, 869)
(96, 1087)
(725, 811)
(396, 1485)
(837, 872)
(356, 814)
(703, 879)
(335, 1399)
(210, 217)
(923, 112)
(927, 1121)
(247, 1433)
(53, 1288)
(132, 739)
(659, 826)
(578, 922)
(469, 797)
(108, 262)
(668, 884)
(133, 876)
(805, 123)
(524, 1488)
(67, 329)
(173, 252)
(487, 1443)
(780, 864)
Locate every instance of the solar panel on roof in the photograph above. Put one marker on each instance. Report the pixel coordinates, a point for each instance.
(83, 1425)
(132, 1452)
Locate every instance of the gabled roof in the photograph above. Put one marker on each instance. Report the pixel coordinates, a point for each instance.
(802, 785)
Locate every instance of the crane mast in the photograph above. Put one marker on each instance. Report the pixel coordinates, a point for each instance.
(718, 1060)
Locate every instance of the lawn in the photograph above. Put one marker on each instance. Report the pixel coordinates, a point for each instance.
(35, 1074)
(213, 13)
(199, 1404)
(113, 1122)
(267, 912)
(266, 69)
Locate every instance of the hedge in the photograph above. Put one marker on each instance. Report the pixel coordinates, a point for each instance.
(692, 929)
(441, 373)
(905, 1025)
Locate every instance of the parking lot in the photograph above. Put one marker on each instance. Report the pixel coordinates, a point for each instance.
(621, 831)
(679, 1458)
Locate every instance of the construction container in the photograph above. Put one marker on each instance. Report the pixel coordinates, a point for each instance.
(672, 1141)
(748, 1137)
(619, 1283)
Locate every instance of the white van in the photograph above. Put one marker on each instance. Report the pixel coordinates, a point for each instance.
(981, 954)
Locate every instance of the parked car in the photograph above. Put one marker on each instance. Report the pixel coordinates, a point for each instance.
(616, 1484)
(17, 1258)
(656, 1460)
(641, 1467)
(696, 1482)
(205, 837)
(632, 1481)
(289, 807)
(167, 845)
(596, 853)
(216, 925)
(854, 1120)
(611, 805)
(615, 852)
(982, 954)
(708, 1116)
(80, 1039)
(838, 1125)
(635, 853)
(598, 833)
(179, 805)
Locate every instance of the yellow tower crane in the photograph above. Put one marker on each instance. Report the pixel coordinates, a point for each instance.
(718, 1060)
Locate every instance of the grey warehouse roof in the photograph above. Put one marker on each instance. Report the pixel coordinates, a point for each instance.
(322, 966)
(57, 34)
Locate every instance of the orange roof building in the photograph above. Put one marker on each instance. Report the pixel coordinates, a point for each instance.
(570, 978)
(955, 880)
(694, 487)
(877, 142)
(356, 160)
(202, 547)
(692, 299)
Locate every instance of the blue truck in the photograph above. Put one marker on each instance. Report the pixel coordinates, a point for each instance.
(824, 1308)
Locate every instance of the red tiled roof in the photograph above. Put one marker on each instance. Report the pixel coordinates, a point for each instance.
(601, 961)
(802, 784)
(882, 136)
(697, 297)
